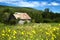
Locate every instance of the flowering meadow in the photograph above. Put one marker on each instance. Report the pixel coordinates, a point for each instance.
(42, 31)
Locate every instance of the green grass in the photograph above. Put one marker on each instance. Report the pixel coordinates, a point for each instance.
(42, 31)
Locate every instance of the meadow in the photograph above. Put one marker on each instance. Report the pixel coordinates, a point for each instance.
(34, 31)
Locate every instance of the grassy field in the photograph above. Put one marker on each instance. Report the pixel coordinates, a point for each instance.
(42, 31)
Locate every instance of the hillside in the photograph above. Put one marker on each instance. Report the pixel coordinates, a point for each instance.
(20, 9)
(37, 16)
(30, 11)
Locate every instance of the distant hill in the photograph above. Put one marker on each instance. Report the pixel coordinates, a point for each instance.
(33, 13)
(19, 8)
(36, 15)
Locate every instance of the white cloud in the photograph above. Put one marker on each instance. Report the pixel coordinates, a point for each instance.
(24, 3)
(54, 4)
(43, 3)
(31, 4)
(28, 4)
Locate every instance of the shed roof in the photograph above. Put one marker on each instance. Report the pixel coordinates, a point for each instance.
(22, 16)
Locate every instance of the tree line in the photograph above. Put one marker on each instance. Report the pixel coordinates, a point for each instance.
(38, 16)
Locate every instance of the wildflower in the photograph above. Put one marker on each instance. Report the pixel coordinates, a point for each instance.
(42, 39)
(31, 36)
(34, 31)
(14, 32)
(59, 24)
(52, 38)
(53, 35)
(14, 37)
(29, 33)
(47, 33)
(7, 35)
(37, 39)
(57, 28)
(3, 31)
(47, 38)
(54, 29)
(22, 33)
(3, 34)
(9, 38)
(9, 30)
(40, 29)
(24, 39)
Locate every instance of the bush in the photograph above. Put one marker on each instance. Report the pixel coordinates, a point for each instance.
(12, 22)
(47, 21)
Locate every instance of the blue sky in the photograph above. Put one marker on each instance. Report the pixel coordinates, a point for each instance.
(53, 5)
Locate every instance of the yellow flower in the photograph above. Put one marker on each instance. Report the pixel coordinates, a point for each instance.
(3, 31)
(7, 35)
(14, 32)
(22, 33)
(40, 29)
(57, 28)
(47, 38)
(52, 38)
(24, 39)
(47, 33)
(9, 38)
(29, 33)
(54, 29)
(42, 39)
(9, 30)
(31, 36)
(3, 34)
(14, 37)
(59, 24)
(53, 35)
(37, 39)
(34, 31)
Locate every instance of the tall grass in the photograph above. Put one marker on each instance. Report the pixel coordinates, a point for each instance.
(34, 31)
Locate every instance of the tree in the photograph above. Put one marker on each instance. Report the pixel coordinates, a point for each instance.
(46, 10)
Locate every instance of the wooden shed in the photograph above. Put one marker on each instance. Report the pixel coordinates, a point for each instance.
(24, 17)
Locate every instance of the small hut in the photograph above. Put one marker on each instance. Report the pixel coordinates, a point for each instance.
(24, 17)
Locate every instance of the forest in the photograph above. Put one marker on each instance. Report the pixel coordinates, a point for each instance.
(38, 16)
